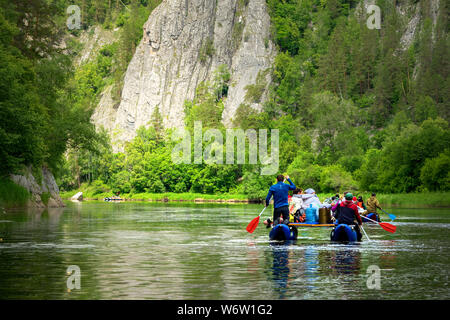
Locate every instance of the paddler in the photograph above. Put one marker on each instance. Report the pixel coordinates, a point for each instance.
(280, 192)
(372, 205)
(347, 213)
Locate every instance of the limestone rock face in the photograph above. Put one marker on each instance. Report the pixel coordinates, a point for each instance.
(167, 65)
(47, 185)
(93, 40)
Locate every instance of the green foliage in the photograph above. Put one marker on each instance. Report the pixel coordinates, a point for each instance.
(45, 196)
(221, 81)
(99, 187)
(206, 50)
(398, 167)
(354, 110)
(255, 91)
(239, 24)
(41, 113)
(11, 194)
(207, 105)
(435, 173)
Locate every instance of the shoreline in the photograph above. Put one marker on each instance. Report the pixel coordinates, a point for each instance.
(390, 203)
(197, 200)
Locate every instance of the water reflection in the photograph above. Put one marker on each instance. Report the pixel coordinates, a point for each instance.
(163, 251)
(280, 267)
(302, 272)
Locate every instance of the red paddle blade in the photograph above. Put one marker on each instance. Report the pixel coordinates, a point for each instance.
(252, 225)
(388, 227)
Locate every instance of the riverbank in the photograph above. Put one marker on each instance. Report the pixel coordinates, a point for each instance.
(165, 197)
(12, 195)
(404, 200)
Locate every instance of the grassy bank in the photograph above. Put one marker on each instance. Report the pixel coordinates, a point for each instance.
(12, 195)
(168, 196)
(406, 200)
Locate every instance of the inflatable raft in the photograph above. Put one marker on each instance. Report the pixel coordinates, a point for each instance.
(282, 232)
(372, 216)
(343, 233)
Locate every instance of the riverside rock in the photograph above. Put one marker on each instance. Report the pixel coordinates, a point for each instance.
(47, 184)
(78, 196)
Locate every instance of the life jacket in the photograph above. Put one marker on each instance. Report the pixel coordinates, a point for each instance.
(345, 215)
(360, 204)
(299, 217)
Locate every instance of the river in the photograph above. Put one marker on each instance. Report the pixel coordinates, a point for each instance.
(138, 250)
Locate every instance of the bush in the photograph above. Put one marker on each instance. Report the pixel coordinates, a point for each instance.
(45, 196)
(435, 174)
(335, 179)
(155, 186)
(11, 194)
(98, 187)
(121, 182)
(180, 187)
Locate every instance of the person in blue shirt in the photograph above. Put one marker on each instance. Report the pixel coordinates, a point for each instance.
(280, 192)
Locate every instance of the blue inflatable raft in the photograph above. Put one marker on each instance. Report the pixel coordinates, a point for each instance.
(343, 233)
(282, 232)
(372, 216)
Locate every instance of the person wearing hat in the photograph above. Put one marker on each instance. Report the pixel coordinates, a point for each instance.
(347, 213)
(372, 205)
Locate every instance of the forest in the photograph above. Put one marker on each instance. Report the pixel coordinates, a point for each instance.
(355, 109)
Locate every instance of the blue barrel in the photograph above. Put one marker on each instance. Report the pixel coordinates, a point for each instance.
(311, 215)
(343, 233)
(282, 232)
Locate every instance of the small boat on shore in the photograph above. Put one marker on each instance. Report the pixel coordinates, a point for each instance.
(113, 199)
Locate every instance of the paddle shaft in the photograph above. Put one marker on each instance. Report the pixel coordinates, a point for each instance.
(389, 214)
(371, 220)
(262, 211)
(365, 232)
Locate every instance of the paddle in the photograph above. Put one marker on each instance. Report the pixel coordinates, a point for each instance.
(390, 215)
(365, 232)
(386, 226)
(254, 223)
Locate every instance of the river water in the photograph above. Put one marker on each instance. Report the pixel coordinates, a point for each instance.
(137, 250)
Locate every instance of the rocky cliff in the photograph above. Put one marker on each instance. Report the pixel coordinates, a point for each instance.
(47, 185)
(168, 63)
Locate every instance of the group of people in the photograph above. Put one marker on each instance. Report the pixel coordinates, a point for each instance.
(346, 209)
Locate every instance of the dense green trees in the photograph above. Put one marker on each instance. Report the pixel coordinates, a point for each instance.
(38, 118)
(356, 108)
(46, 105)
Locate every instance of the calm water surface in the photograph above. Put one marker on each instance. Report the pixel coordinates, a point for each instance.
(195, 251)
